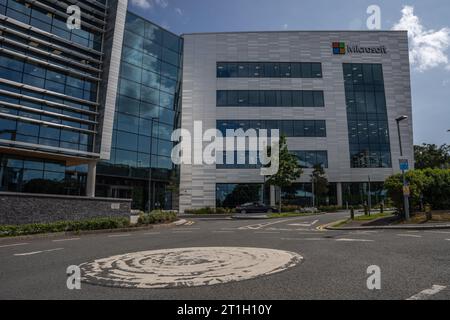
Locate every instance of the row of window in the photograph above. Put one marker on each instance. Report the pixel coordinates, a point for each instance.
(363, 73)
(45, 97)
(49, 22)
(250, 159)
(27, 73)
(289, 128)
(270, 98)
(269, 70)
(22, 131)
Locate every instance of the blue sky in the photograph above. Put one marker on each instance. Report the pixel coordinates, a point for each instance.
(427, 20)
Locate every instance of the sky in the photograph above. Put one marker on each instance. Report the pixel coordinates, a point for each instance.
(428, 23)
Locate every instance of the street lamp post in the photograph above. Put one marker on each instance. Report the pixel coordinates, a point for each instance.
(405, 196)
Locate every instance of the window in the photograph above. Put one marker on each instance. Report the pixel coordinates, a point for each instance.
(291, 128)
(269, 70)
(366, 110)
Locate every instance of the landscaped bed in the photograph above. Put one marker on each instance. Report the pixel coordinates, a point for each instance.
(86, 225)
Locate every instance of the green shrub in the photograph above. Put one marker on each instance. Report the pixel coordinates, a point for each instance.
(157, 216)
(433, 184)
(61, 226)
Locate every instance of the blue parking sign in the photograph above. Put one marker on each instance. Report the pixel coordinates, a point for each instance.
(404, 165)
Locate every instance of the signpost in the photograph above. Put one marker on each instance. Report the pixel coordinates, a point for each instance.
(404, 166)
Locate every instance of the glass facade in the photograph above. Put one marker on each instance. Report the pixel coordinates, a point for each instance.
(300, 194)
(270, 98)
(269, 70)
(32, 175)
(357, 193)
(147, 111)
(367, 116)
(289, 128)
(229, 195)
(49, 80)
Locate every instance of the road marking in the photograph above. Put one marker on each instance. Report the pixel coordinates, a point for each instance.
(425, 294)
(409, 235)
(152, 233)
(14, 245)
(447, 239)
(119, 235)
(36, 252)
(262, 225)
(354, 240)
(306, 224)
(304, 239)
(445, 232)
(61, 240)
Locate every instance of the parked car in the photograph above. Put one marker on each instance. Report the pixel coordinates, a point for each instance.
(255, 207)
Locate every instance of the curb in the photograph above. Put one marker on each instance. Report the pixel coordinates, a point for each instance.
(404, 227)
(89, 232)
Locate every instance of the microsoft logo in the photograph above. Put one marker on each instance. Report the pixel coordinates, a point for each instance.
(338, 47)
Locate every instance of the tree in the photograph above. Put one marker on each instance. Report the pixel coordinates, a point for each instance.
(288, 171)
(432, 156)
(320, 181)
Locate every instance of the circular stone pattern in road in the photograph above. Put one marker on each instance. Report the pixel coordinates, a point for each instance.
(186, 267)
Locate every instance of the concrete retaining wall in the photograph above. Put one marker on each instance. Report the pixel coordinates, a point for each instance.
(23, 208)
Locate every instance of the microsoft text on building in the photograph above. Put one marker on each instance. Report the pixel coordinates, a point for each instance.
(341, 48)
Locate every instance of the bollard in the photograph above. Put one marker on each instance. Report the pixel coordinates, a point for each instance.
(381, 208)
(352, 213)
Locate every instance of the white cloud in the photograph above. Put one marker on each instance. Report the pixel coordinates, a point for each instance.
(144, 4)
(148, 4)
(428, 48)
(179, 11)
(162, 3)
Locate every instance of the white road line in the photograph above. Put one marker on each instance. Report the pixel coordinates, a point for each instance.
(444, 232)
(447, 239)
(119, 235)
(263, 225)
(425, 294)
(354, 240)
(409, 235)
(36, 252)
(61, 240)
(13, 245)
(305, 239)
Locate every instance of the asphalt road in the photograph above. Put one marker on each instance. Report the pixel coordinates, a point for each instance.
(334, 264)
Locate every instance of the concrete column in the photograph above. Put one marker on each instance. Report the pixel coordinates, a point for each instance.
(90, 183)
(339, 193)
(272, 195)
